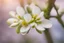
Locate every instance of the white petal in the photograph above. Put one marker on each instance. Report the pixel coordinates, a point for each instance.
(27, 17)
(11, 20)
(24, 33)
(41, 16)
(33, 24)
(46, 23)
(12, 13)
(20, 11)
(13, 24)
(24, 30)
(40, 28)
(35, 9)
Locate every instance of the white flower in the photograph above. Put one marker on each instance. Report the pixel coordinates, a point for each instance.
(40, 22)
(61, 10)
(20, 18)
(23, 20)
(26, 19)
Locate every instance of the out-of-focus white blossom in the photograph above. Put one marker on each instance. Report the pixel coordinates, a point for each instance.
(61, 10)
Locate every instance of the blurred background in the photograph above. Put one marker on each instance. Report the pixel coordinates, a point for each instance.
(9, 35)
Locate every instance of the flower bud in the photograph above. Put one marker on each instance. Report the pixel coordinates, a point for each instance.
(12, 13)
(29, 10)
(14, 25)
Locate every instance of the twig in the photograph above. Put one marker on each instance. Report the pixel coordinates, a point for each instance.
(58, 17)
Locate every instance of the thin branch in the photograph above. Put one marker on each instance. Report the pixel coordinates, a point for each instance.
(56, 9)
(52, 16)
(58, 17)
(60, 21)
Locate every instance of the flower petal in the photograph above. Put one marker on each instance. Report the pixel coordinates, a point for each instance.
(12, 13)
(33, 24)
(11, 20)
(40, 28)
(35, 9)
(13, 24)
(27, 17)
(20, 11)
(41, 16)
(46, 23)
(24, 30)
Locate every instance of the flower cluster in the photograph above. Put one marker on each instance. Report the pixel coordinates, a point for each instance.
(28, 17)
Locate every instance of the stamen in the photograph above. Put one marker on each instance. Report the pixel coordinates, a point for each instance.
(24, 23)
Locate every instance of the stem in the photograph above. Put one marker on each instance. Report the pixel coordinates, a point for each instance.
(48, 9)
(59, 17)
(48, 36)
(60, 21)
(47, 16)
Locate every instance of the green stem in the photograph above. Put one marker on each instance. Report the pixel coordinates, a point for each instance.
(49, 8)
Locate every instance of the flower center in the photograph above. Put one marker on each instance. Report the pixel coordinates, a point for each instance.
(24, 23)
(34, 16)
(36, 19)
